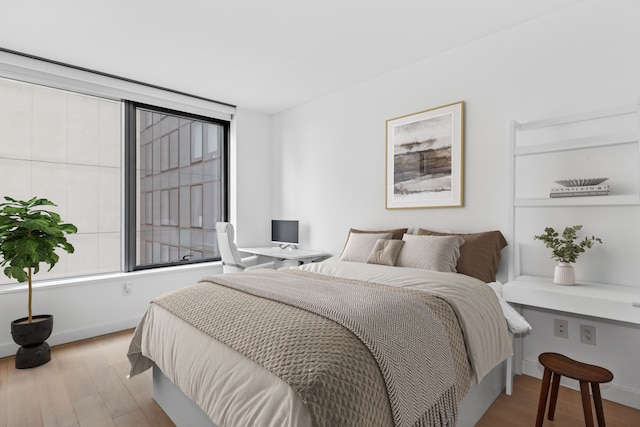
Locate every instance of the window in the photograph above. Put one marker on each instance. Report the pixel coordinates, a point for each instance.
(65, 146)
(178, 186)
(61, 137)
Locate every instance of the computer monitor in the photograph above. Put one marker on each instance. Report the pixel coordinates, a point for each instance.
(284, 232)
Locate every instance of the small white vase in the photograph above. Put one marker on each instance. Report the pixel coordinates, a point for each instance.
(564, 274)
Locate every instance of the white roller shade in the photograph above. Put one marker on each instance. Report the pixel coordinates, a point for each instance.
(43, 72)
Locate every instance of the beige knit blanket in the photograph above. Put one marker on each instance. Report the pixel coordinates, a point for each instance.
(400, 371)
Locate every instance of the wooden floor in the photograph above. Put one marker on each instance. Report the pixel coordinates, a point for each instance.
(85, 384)
(519, 409)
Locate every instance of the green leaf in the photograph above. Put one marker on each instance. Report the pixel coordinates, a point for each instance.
(565, 249)
(17, 273)
(30, 235)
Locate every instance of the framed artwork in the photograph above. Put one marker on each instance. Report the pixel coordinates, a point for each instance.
(424, 162)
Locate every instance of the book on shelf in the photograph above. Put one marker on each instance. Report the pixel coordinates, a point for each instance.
(578, 194)
(580, 191)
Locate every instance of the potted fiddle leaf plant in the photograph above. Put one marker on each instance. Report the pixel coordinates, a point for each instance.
(565, 249)
(30, 235)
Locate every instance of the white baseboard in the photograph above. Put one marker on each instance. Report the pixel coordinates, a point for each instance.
(63, 337)
(610, 391)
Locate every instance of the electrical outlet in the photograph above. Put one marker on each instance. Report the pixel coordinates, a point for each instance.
(560, 328)
(126, 289)
(588, 334)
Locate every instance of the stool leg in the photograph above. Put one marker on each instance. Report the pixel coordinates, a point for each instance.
(586, 403)
(544, 391)
(554, 395)
(597, 402)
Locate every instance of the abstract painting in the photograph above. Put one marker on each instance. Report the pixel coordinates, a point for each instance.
(425, 159)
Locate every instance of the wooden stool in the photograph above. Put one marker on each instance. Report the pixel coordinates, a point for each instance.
(559, 365)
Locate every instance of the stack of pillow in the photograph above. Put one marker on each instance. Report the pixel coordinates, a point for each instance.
(474, 254)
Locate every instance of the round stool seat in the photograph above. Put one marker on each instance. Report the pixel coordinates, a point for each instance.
(555, 366)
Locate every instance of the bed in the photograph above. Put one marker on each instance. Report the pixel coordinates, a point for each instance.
(376, 337)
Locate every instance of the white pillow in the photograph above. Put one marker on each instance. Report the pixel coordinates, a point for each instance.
(360, 245)
(436, 253)
(517, 324)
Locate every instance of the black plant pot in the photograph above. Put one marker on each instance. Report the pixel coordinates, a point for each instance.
(34, 351)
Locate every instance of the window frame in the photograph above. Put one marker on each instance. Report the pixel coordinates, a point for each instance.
(130, 181)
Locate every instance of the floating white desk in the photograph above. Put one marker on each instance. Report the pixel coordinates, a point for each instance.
(621, 303)
(298, 256)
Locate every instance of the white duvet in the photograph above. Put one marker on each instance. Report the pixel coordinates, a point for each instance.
(233, 390)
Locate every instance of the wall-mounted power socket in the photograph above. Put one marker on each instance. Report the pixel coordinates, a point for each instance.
(560, 328)
(126, 289)
(588, 334)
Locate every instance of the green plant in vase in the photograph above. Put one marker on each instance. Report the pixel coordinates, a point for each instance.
(29, 236)
(565, 249)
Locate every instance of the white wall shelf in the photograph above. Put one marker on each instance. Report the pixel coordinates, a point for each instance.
(580, 117)
(603, 143)
(577, 144)
(620, 303)
(610, 200)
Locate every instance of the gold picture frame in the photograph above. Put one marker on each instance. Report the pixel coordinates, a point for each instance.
(424, 159)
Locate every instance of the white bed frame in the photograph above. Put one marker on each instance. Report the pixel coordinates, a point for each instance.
(185, 413)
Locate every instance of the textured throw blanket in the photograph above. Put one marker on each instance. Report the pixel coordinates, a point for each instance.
(407, 367)
(476, 305)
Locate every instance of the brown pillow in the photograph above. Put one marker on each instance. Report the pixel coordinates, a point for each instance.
(385, 252)
(396, 234)
(480, 253)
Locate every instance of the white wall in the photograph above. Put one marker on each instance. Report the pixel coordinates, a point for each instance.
(329, 153)
(251, 162)
(329, 159)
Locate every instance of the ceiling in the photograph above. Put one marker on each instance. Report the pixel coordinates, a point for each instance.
(267, 56)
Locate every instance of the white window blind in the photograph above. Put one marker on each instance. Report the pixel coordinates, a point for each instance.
(52, 74)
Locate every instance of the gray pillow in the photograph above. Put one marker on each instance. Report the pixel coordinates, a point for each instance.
(360, 245)
(385, 252)
(437, 253)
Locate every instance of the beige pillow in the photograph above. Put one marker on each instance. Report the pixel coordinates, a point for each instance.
(480, 254)
(396, 233)
(360, 245)
(436, 253)
(385, 252)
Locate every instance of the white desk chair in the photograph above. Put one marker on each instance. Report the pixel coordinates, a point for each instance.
(231, 261)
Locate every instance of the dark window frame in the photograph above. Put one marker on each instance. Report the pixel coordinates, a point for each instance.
(130, 190)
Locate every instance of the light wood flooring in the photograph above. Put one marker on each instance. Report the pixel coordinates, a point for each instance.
(85, 384)
(520, 409)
